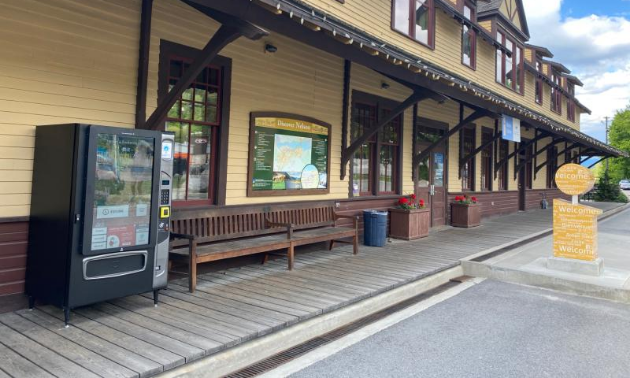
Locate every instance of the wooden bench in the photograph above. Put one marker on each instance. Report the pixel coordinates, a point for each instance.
(199, 236)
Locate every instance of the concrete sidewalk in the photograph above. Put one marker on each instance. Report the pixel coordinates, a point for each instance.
(494, 329)
(527, 264)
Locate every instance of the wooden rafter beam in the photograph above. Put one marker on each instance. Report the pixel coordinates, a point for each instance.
(367, 134)
(231, 29)
(551, 144)
(468, 120)
(546, 163)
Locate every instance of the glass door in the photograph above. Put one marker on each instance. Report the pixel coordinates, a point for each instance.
(120, 198)
(431, 174)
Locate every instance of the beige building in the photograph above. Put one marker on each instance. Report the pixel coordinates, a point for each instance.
(430, 90)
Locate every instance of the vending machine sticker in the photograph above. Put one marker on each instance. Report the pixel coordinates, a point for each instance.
(122, 236)
(118, 211)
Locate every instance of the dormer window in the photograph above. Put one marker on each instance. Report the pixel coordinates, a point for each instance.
(510, 68)
(415, 18)
(469, 38)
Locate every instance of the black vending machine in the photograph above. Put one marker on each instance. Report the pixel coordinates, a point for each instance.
(100, 209)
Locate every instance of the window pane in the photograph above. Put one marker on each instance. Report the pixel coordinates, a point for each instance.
(467, 12)
(401, 15)
(466, 46)
(174, 111)
(423, 173)
(213, 95)
(517, 63)
(199, 174)
(188, 94)
(180, 158)
(211, 114)
(214, 76)
(186, 110)
(387, 161)
(200, 111)
(508, 72)
(361, 169)
(438, 169)
(176, 69)
(422, 21)
(200, 93)
(499, 66)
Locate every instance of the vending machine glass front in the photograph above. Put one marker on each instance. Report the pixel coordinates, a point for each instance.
(121, 197)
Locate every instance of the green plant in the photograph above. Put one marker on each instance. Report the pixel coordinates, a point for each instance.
(608, 190)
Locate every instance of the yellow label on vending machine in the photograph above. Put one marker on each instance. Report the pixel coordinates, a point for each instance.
(165, 212)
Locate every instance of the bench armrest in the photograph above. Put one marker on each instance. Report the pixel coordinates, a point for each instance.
(288, 226)
(355, 219)
(175, 235)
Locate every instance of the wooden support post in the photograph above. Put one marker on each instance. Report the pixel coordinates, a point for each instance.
(471, 118)
(410, 101)
(143, 62)
(347, 74)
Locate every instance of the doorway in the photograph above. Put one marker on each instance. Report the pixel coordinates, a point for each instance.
(432, 171)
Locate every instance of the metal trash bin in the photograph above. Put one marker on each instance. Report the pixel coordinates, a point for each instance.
(374, 228)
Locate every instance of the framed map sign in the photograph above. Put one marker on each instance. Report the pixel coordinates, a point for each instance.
(288, 155)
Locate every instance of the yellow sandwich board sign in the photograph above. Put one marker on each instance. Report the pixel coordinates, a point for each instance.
(574, 225)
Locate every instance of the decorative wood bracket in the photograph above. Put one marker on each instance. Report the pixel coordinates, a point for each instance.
(347, 153)
(551, 144)
(478, 150)
(231, 29)
(546, 163)
(471, 118)
(518, 151)
(599, 161)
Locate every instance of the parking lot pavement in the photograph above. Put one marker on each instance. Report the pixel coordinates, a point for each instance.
(494, 329)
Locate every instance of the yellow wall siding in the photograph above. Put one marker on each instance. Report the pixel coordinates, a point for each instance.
(62, 61)
(374, 17)
(296, 79)
(486, 25)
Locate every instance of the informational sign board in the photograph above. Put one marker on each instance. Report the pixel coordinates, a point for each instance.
(574, 225)
(511, 129)
(574, 230)
(288, 155)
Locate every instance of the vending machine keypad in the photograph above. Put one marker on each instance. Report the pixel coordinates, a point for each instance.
(165, 197)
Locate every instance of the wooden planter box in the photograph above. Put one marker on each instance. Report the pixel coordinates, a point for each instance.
(409, 224)
(465, 215)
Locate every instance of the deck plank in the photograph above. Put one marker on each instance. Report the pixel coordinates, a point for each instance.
(81, 356)
(18, 366)
(36, 353)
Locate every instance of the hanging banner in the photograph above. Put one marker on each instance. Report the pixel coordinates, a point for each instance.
(511, 129)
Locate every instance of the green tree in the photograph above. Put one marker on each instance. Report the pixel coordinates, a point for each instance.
(620, 138)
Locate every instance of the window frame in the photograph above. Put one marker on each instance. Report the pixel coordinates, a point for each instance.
(218, 182)
(411, 30)
(518, 69)
(470, 165)
(473, 34)
(380, 106)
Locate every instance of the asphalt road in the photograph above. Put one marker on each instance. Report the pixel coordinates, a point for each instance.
(495, 329)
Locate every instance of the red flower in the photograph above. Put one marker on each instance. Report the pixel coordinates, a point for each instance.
(403, 201)
(413, 196)
(421, 203)
(458, 198)
(474, 199)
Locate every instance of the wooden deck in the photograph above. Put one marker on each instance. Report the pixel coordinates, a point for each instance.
(132, 338)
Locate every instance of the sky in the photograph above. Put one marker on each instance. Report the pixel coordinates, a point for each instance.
(592, 39)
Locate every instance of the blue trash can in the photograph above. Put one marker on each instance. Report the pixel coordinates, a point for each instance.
(374, 228)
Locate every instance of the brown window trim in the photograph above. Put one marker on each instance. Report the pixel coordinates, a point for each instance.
(411, 31)
(219, 182)
(473, 47)
(379, 103)
(521, 77)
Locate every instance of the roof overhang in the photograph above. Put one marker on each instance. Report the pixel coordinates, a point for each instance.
(559, 66)
(543, 51)
(320, 30)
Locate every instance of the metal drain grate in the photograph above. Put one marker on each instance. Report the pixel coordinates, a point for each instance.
(301, 349)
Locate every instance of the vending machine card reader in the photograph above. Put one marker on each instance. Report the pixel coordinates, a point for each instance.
(166, 181)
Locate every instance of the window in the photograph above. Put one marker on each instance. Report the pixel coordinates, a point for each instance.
(469, 39)
(415, 18)
(375, 168)
(556, 95)
(486, 161)
(503, 171)
(552, 155)
(364, 117)
(195, 118)
(539, 91)
(510, 68)
(468, 170)
(571, 110)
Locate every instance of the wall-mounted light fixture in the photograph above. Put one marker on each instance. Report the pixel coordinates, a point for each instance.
(270, 48)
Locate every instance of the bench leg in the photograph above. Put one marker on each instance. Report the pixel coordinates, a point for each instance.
(265, 258)
(291, 256)
(331, 245)
(355, 244)
(192, 272)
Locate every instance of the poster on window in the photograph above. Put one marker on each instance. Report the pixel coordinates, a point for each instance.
(289, 155)
(511, 129)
